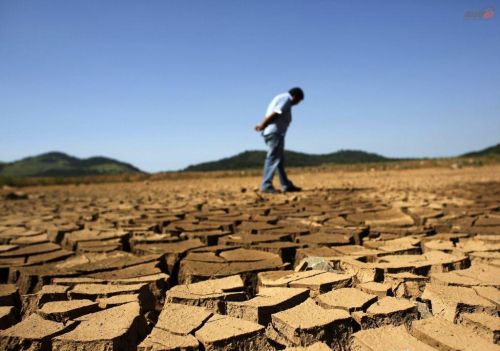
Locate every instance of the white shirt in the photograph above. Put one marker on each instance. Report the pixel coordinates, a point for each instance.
(282, 105)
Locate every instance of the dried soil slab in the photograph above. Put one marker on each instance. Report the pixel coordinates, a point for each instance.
(8, 316)
(99, 246)
(494, 239)
(357, 251)
(477, 275)
(30, 240)
(315, 280)
(7, 234)
(484, 230)
(222, 224)
(380, 290)
(228, 333)
(148, 237)
(48, 257)
(490, 258)
(430, 262)
(347, 299)
(182, 319)
(61, 311)
(319, 346)
(387, 311)
(95, 263)
(158, 279)
(487, 221)
(5, 248)
(20, 231)
(247, 240)
(211, 294)
(438, 245)
(162, 340)
(424, 213)
(294, 231)
(72, 240)
(453, 237)
(325, 239)
(33, 333)
(209, 237)
(308, 323)
(9, 295)
(94, 291)
(175, 325)
(136, 271)
(72, 281)
(323, 282)
(406, 285)
(489, 293)
(283, 249)
(449, 302)
(196, 267)
(216, 249)
(401, 234)
(118, 328)
(173, 251)
(258, 227)
(387, 338)
(265, 303)
(362, 272)
(56, 231)
(202, 226)
(32, 278)
(157, 284)
(483, 325)
(454, 279)
(354, 232)
(6, 262)
(408, 245)
(117, 300)
(30, 250)
(444, 335)
(474, 245)
(393, 217)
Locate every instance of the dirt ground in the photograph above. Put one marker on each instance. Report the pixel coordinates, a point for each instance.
(377, 260)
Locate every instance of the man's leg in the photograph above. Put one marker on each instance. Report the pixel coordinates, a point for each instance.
(285, 182)
(272, 161)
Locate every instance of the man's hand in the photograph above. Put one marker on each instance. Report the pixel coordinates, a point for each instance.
(259, 127)
(268, 119)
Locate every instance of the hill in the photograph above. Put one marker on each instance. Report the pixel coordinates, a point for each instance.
(255, 159)
(489, 151)
(58, 164)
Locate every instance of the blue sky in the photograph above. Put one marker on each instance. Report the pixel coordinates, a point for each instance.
(164, 84)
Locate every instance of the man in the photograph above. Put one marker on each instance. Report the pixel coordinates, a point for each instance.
(273, 128)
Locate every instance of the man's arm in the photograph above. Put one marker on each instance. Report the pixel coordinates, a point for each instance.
(268, 119)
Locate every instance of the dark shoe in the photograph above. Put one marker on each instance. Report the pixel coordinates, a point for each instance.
(269, 191)
(292, 189)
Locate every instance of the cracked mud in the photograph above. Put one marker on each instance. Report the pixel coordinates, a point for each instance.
(383, 260)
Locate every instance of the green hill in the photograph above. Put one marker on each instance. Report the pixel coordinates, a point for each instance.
(58, 164)
(255, 159)
(489, 151)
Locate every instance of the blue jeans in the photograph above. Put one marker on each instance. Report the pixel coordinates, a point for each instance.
(275, 162)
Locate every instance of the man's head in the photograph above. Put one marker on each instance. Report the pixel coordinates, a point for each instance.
(297, 95)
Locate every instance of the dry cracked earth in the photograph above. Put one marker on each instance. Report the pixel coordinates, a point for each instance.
(382, 260)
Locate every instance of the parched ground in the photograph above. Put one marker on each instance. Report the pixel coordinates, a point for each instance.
(380, 260)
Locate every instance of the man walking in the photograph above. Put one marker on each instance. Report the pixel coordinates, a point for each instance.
(273, 128)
